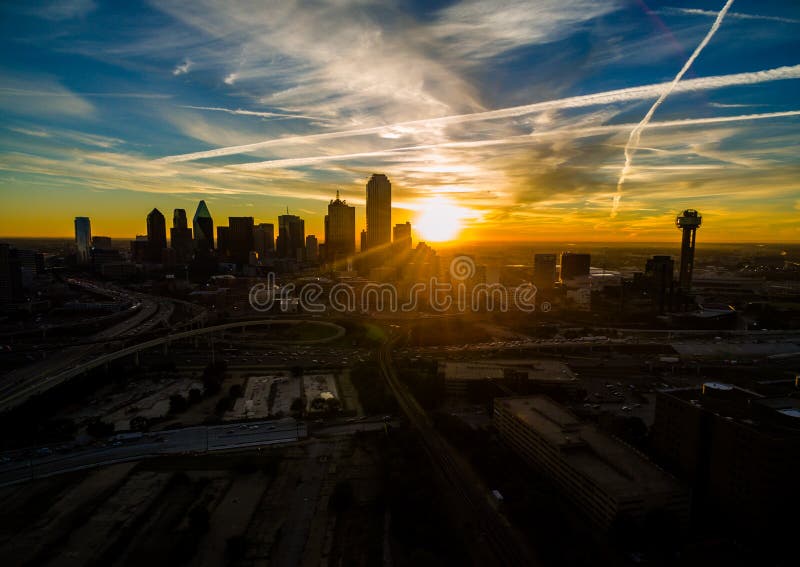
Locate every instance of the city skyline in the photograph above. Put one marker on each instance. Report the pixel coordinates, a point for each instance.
(512, 118)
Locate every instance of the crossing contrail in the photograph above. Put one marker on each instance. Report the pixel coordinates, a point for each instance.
(636, 133)
(581, 132)
(643, 92)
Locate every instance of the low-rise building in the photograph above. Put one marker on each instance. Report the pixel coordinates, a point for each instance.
(605, 478)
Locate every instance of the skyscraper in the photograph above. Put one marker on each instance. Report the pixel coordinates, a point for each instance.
(659, 273)
(291, 237)
(241, 238)
(340, 230)
(180, 236)
(402, 236)
(312, 248)
(363, 247)
(83, 239)
(264, 239)
(544, 270)
(379, 211)
(574, 265)
(156, 235)
(203, 229)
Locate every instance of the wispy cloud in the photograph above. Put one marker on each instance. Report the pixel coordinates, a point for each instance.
(636, 133)
(603, 98)
(734, 15)
(242, 112)
(571, 133)
(182, 68)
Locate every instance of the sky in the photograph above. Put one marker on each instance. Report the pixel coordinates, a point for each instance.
(516, 115)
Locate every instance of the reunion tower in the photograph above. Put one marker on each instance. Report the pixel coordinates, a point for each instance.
(688, 221)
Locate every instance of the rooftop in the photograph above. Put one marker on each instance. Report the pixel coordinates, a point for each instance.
(543, 370)
(616, 468)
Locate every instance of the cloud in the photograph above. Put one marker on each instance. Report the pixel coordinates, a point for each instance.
(242, 112)
(65, 9)
(182, 68)
(734, 15)
(636, 133)
(38, 95)
(231, 78)
(603, 98)
(477, 29)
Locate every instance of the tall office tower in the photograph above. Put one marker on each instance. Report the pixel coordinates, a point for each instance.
(180, 236)
(242, 242)
(312, 248)
(179, 219)
(291, 237)
(574, 265)
(401, 236)
(379, 211)
(203, 226)
(223, 242)
(544, 270)
(340, 230)
(156, 235)
(363, 240)
(83, 239)
(264, 239)
(659, 272)
(689, 221)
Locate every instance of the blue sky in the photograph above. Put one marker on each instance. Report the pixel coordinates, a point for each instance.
(102, 102)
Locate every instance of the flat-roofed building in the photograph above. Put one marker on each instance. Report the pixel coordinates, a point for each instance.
(605, 478)
(738, 450)
(466, 379)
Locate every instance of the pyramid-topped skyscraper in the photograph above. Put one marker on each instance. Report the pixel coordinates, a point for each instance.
(203, 226)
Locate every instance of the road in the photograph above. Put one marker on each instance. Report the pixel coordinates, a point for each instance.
(39, 377)
(177, 441)
(505, 544)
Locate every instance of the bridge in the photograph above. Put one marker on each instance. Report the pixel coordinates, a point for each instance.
(45, 382)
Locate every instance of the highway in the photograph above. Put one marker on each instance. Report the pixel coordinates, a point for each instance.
(178, 441)
(505, 544)
(19, 385)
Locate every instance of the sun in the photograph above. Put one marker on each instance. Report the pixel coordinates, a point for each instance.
(439, 221)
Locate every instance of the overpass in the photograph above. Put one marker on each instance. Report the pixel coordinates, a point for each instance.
(45, 382)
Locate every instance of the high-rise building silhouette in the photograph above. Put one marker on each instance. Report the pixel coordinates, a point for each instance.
(363, 240)
(659, 272)
(264, 239)
(340, 230)
(223, 242)
(203, 226)
(241, 238)
(291, 241)
(180, 236)
(312, 248)
(83, 239)
(544, 270)
(379, 211)
(156, 235)
(688, 222)
(101, 242)
(575, 265)
(401, 236)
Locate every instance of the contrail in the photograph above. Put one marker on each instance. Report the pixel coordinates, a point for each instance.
(608, 97)
(636, 133)
(581, 132)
